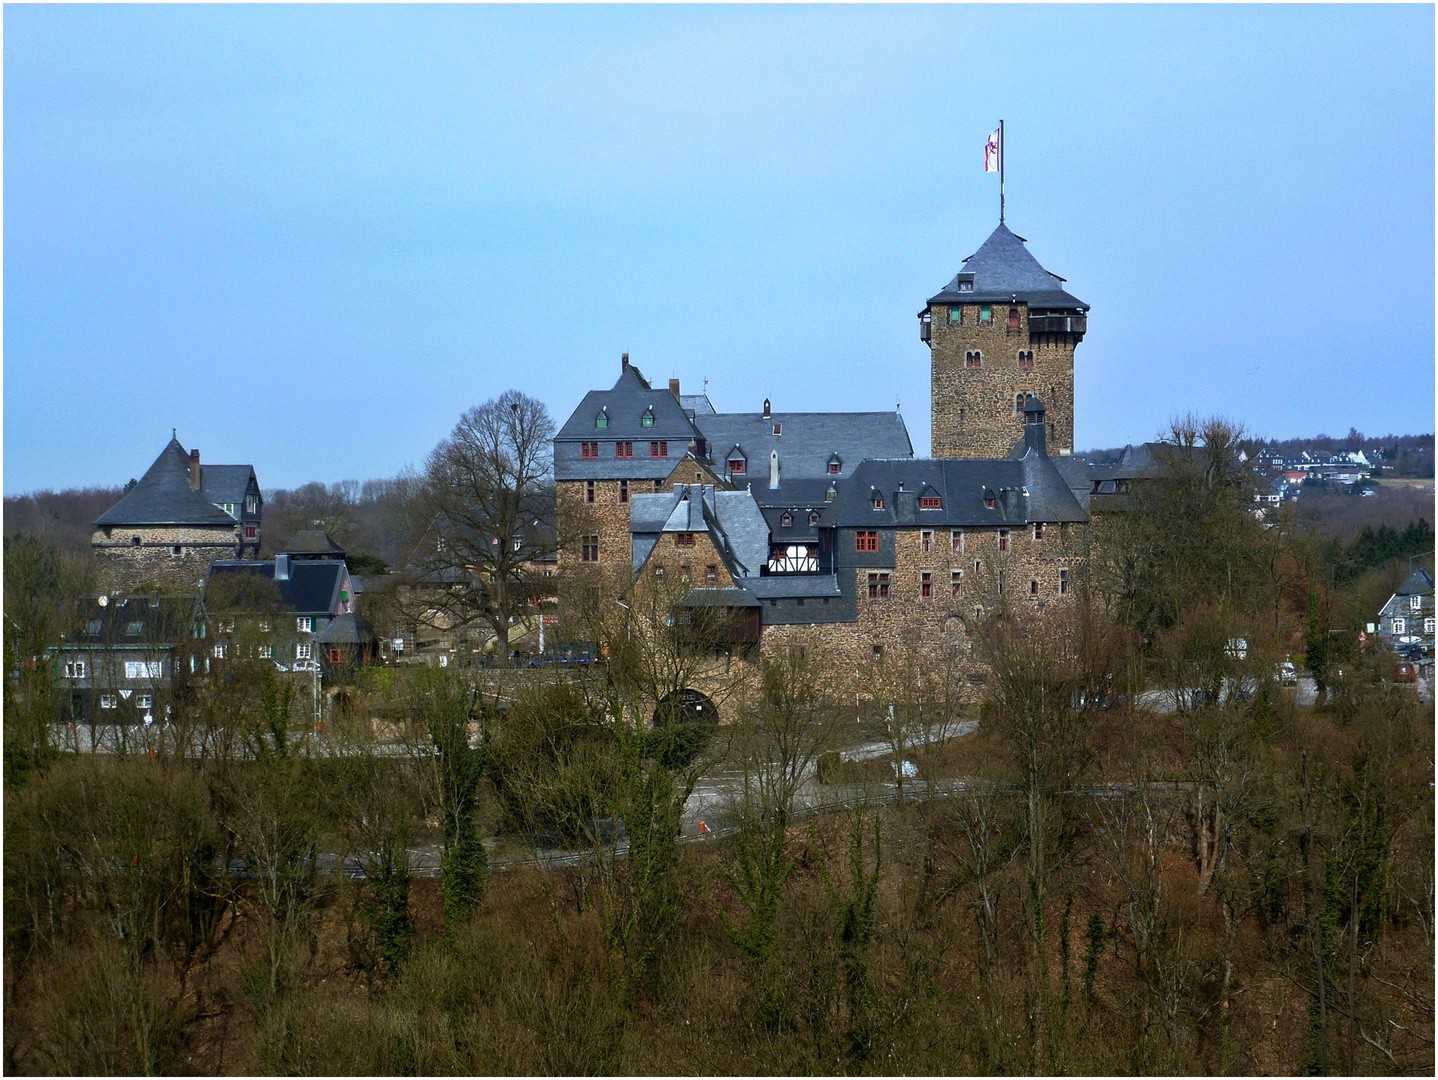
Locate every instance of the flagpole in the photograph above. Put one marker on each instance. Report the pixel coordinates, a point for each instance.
(1001, 172)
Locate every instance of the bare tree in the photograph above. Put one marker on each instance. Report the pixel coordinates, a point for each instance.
(483, 515)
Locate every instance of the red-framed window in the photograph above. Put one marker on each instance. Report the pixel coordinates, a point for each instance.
(878, 501)
(930, 502)
(878, 586)
(926, 541)
(956, 583)
(659, 448)
(736, 465)
(589, 451)
(973, 358)
(866, 540)
(989, 501)
(956, 541)
(624, 449)
(683, 539)
(251, 532)
(1013, 318)
(589, 548)
(1003, 539)
(926, 586)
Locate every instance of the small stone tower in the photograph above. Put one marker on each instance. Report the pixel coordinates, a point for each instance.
(1003, 330)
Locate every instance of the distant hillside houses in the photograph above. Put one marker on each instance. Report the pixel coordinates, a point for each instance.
(1282, 476)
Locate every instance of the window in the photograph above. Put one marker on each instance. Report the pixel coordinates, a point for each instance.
(135, 540)
(659, 448)
(711, 575)
(302, 651)
(589, 451)
(786, 520)
(1428, 626)
(956, 315)
(989, 500)
(144, 669)
(624, 450)
(334, 656)
(930, 502)
(266, 652)
(834, 467)
(683, 539)
(220, 650)
(1063, 531)
(1019, 401)
(736, 465)
(878, 653)
(813, 517)
(878, 586)
(144, 701)
(228, 508)
(658, 485)
(302, 624)
(956, 540)
(109, 701)
(251, 533)
(177, 550)
(252, 504)
(978, 566)
(878, 501)
(1013, 318)
(589, 548)
(799, 602)
(1038, 530)
(1400, 626)
(1415, 603)
(684, 572)
(926, 586)
(986, 314)
(1063, 582)
(647, 420)
(1026, 358)
(1033, 587)
(973, 358)
(866, 540)
(74, 669)
(926, 541)
(134, 629)
(601, 421)
(589, 491)
(956, 583)
(659, 571)
(1003, 539)
(624, 491)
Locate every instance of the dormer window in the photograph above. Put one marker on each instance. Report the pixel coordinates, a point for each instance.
(813, 517)
(786, 520)
(930, 502)
(836, 465)
(989, 500)
(878, 500)
(778, 429)
(736, 466)
(602, 420)
(647, 420)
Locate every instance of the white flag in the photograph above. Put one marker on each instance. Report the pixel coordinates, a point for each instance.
(991, 152)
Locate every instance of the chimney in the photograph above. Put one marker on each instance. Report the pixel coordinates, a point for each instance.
(674, 388)
(766, 409)
(1034, 434)
(773, 461)
(195, 469)
(624, 362)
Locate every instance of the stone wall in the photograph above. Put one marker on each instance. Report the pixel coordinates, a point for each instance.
(606, 517)
(973, 407)
(130, 557)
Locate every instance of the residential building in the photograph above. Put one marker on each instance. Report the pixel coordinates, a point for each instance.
(1406, 621)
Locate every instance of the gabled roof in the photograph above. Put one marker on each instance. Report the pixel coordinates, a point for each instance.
(164, 496)
(731, 518)
(134, 622)
(808, 440)
(1419, 583)
(228, 484)
(313, 586)
(1002, 270)
(347, 629)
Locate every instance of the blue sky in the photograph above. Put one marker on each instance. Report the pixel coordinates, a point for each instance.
(310, 237)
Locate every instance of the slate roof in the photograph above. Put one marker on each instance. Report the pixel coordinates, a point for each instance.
(1003, 270)
(227, 484)
(1041, 493)
(792, 586)
(313, 587)
(625, 405)
(164, 496)
(347, 629)
(697, 404)
(1419, 583)
(134, 622)
(806, 441)
(310, 542)
(732, 518)
(738, 597)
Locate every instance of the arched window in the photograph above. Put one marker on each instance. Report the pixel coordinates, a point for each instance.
(1026, 358)
(1013, 318)
(1019, 403)
(973, 358)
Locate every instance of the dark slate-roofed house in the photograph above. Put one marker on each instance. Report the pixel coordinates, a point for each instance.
(1406, 621)
(177, 518)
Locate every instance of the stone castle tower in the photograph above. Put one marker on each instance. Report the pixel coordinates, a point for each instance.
(1002, 330)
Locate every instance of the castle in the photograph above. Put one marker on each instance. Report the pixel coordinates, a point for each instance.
(827, 521)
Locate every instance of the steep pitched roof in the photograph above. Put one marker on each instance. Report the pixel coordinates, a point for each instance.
(164, 496)
(227, 484)
(1003, 269)
(806, 441)
(312, 588)
(311, 542)
(1419, 583)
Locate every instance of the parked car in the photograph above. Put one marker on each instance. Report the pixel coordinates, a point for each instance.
(1286, 674)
